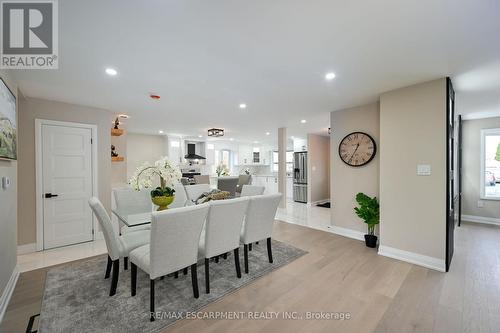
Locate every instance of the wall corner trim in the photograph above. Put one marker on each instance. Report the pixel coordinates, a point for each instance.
(7, 292)
(26, 248)
(412, 258)
(481, 219)
(350, 233)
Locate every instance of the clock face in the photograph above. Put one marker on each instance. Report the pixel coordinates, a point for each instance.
(357, 149)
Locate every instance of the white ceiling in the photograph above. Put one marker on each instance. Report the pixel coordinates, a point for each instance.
(206, 57)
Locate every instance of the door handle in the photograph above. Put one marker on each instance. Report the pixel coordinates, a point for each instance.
(50, 195)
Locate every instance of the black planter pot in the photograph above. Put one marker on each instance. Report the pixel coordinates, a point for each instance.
(371, 241)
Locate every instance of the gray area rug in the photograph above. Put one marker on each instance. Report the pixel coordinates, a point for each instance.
(76, 294)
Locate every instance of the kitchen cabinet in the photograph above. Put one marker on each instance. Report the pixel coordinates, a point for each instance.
(289, 187)
(269, 182)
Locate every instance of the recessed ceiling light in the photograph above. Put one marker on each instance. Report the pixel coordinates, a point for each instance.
(303, 121)
(267, 133)
(330, 76)
(160, 131)
(124, 116)
(256, 142)
(231, 139)
(243, 106)
(200, 136)
(111, 71)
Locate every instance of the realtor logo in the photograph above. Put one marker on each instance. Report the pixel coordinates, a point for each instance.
(29, 34)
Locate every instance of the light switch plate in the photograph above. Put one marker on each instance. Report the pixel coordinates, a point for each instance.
(423, 170)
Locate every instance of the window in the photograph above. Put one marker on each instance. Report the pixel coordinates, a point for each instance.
(490, 164)
(289, 161)
(225, 157)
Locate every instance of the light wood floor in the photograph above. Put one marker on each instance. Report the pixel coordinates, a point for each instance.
(342, 275)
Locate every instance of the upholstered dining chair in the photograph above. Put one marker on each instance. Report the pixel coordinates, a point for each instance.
(175, 236)
(222, 233)
(201, 179)
(228, 184)
(259, 222)
(250, 190)
(195, 191)
(243, 180)
(132, 202)
(118, 246)
(180, 196)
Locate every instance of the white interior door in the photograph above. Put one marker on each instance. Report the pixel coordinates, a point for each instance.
(66, 185)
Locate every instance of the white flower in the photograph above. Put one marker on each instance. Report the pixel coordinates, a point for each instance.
(163, 168)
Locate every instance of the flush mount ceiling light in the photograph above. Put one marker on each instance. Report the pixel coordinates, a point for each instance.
(216, 132)
(330, 76)
(111, 71)
(303, 121)
(243, 106)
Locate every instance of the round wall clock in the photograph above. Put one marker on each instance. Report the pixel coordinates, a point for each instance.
(357, 149)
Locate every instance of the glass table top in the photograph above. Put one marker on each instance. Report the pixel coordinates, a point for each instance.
(131, 219)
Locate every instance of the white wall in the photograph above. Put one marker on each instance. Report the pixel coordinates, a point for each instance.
(8, 207)
(347, 181)
(143, 148)
(413, 208)
(471, 165)
(318, 165)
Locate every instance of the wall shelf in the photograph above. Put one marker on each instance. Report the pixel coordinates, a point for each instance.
(117, 158)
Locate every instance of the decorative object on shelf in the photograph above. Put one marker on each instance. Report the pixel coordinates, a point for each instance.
(214, 194)
(116, 131)
(247, 171)
(169, 176)
(113, 151)
(357, 149)
(117, 123)
(369, 212)
(216, 132)
(222, 170)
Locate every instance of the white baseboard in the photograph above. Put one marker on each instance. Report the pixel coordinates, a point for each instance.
(481, 219)
(7, 292)
(350, 233)
(26, 248)
(314, 203)
(412, 258)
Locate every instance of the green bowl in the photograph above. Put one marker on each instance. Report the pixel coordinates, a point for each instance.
(163, 201)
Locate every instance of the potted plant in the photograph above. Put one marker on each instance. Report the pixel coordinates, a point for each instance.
(369, 212)
(169, 175)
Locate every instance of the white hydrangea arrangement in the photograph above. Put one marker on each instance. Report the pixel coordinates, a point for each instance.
(169, 176)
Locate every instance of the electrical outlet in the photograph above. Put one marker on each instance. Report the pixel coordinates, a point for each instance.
(480, 204)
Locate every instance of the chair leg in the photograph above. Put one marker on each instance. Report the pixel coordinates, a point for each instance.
(237, 262)
(256, 243)
(207, 276)
(108, 268)
(250, 247)
(125, 263)
(176, 275)
(133, 279)
(245, 256)
(114, 278)
(269, 251)
(185, 270)
(224, 256)
(216, 259)
(152, 299)
(194, 280)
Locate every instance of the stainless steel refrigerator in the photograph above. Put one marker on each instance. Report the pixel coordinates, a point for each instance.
(300, 177)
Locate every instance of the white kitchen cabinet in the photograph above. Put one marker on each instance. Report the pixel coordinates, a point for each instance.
(289, 187)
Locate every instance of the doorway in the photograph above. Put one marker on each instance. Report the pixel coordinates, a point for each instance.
(65, 180)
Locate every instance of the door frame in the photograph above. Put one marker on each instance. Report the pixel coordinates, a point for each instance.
(39, 172)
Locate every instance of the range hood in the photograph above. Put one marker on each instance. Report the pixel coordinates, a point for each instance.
(191, 153)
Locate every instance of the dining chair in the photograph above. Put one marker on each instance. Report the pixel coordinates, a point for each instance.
(117, 246)
(250, 190)
(222, 233)
(195, 191)
(243, 180)
(175, 236)
(228, 184)
(201, 179)
(180, 196)
(130, 201)
(259, 222)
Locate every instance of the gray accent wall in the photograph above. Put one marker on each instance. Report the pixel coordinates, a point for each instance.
(471, 159)
(8, 208)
